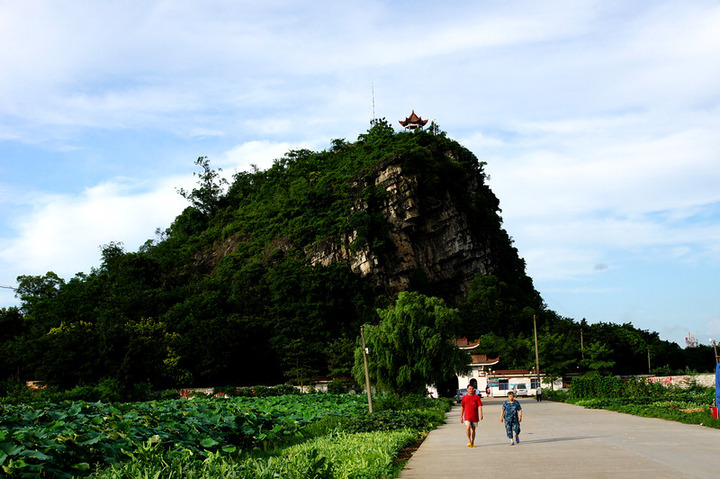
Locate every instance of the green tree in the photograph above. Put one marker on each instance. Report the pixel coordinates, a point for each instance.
(412, 346)
(628, 344)
(297, 355)
(558, 354)
(210, 188)
(598, 358)
(497, 306)
(69, 355)
(515, 351)
(340, 354)
(12, 327)
(33, 290)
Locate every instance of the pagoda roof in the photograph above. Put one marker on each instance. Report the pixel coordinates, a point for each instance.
(464, 343)
(483, 360)
(413, 119)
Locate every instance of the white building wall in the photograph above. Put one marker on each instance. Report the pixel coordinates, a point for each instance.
(477, 373)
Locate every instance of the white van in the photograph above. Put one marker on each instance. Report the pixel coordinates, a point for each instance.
(520, 389)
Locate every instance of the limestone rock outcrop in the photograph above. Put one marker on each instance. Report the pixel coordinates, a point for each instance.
(433, 239)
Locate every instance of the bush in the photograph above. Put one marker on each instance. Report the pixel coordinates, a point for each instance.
(394, 402)
(286, 389)
(593, 386)
(394, 420)
(107, 390)
(555, 395)
(393, 412)
(13, 392)
(336, 455)
(165, 394)
(340, 386)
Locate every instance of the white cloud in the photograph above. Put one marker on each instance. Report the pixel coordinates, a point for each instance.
(64, 233)
(598, 120)
(575, 191)
(713, 329)
(180, 56)
(258, 153)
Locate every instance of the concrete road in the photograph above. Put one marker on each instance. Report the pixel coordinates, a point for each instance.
(561, 440)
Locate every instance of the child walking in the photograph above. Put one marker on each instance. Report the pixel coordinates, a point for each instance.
(512, 416)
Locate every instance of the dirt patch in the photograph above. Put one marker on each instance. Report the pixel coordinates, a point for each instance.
(695, 409)
(407, 452)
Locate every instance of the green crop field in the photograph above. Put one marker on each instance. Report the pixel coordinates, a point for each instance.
(212, 437)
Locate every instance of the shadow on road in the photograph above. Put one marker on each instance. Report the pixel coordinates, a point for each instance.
(555, 439)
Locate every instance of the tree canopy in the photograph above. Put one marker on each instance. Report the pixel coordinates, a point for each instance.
(413, 346)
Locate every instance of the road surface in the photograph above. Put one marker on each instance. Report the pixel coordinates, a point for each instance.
(562, 440)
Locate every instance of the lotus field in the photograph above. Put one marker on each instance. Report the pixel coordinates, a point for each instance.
(288, 436)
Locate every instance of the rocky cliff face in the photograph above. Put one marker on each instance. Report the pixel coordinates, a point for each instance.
(432, 240)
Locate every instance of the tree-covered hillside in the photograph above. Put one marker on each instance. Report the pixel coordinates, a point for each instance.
(227, 294)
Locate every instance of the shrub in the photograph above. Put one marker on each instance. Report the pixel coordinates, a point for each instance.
(286, 389)
(340, 386)
(597, 386)
(394, 402)
(165, 394)
(393, 420)
(336, 455)
(555, 395)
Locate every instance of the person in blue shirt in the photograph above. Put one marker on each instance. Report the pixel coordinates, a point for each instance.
(511, 415)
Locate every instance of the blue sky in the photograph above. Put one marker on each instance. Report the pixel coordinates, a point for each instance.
(598, 122)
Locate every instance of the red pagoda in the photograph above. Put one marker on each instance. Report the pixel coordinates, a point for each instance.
(413, 122)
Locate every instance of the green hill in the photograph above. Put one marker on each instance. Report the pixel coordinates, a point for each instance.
(269, 279)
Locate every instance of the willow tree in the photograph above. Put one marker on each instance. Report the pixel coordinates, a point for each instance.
(413, 346)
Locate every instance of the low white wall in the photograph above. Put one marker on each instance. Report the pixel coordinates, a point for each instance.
(707, 380)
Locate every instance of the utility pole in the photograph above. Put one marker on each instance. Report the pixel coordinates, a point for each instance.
(537, 356)
(717, 379)
(367, 371)
(649, 368)
(582, 345)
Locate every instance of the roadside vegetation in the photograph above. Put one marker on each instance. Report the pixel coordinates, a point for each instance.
(308, 435)
(689, 405)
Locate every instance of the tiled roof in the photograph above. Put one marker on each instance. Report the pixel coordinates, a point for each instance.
(464, 343)
(483, 360)
(413, 119)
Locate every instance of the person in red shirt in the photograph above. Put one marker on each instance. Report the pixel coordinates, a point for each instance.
(471, 413)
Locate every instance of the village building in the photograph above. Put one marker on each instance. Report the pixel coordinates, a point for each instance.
(497, 383)
(477, 372)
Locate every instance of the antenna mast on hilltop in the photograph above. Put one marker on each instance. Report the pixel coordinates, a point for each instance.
(690, 341)
(373, 102)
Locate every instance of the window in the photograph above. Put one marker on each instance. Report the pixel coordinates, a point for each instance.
(503, 384)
